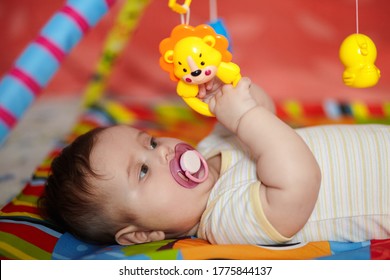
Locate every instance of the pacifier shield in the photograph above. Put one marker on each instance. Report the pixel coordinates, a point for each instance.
(188, 167)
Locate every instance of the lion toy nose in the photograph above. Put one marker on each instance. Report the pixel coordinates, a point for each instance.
(196, 73)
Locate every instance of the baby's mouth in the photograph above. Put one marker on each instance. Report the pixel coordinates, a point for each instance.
(188, 167)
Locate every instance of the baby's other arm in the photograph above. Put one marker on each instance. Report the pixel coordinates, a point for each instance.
(289, 174)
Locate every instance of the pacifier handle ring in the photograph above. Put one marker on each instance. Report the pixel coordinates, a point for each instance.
(194, 179)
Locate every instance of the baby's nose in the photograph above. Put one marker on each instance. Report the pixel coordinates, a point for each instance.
(165, 154)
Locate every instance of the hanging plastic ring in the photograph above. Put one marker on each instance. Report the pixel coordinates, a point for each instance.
(180, 9)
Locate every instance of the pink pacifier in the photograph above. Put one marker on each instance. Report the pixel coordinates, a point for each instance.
(187, 166)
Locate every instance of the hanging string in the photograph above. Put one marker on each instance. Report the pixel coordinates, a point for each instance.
(213, 10)
(357, 16)
(185, 18)
(183, 10)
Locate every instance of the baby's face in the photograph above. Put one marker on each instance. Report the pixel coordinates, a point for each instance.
(137, 179)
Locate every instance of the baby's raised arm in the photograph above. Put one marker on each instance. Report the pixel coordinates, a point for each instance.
(289, 174)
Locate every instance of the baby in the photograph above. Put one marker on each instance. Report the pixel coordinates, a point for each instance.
(253, 180)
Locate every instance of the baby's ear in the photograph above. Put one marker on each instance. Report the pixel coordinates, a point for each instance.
(131, 235)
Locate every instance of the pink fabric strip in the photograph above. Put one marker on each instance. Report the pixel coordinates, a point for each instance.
(76, 17)
(26, 79)
(7, 117)
(50, 47)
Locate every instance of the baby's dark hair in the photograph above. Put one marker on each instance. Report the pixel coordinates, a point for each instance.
(69, 199)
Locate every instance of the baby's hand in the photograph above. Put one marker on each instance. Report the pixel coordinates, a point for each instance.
(207, 88)
(230, 103)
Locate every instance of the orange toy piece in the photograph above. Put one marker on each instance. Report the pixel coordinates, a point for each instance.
(193, 56)
(358, 54)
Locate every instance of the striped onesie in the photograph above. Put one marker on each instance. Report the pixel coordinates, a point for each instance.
(353, 203)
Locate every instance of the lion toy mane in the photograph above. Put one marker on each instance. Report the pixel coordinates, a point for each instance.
(193, 56)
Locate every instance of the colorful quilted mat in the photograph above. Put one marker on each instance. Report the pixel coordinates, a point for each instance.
(25, 235)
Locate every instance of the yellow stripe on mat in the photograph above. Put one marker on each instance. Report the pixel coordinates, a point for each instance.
(25, 214)
(18, 254)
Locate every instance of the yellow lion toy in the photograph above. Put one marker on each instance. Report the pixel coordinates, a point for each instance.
(195, 56)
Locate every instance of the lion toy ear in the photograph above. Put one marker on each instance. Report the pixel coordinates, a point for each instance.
(168, 56)
(209, 40)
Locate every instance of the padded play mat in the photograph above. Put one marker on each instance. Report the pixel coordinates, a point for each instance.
(25, 235)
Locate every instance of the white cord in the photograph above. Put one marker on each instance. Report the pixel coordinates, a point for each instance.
(357, 16)
(213, 11)
(185, 18)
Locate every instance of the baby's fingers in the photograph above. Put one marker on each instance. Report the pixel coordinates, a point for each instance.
(244, 83)
(212, 101)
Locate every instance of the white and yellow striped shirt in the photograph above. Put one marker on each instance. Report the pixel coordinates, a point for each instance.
(354, 199)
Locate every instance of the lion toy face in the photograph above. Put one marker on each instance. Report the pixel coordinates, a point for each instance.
(195, 59)
(193, 56)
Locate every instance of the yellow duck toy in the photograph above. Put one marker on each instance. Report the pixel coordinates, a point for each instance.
(358, 54)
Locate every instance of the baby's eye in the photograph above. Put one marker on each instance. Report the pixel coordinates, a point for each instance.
(153, 143)
(144, 170)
